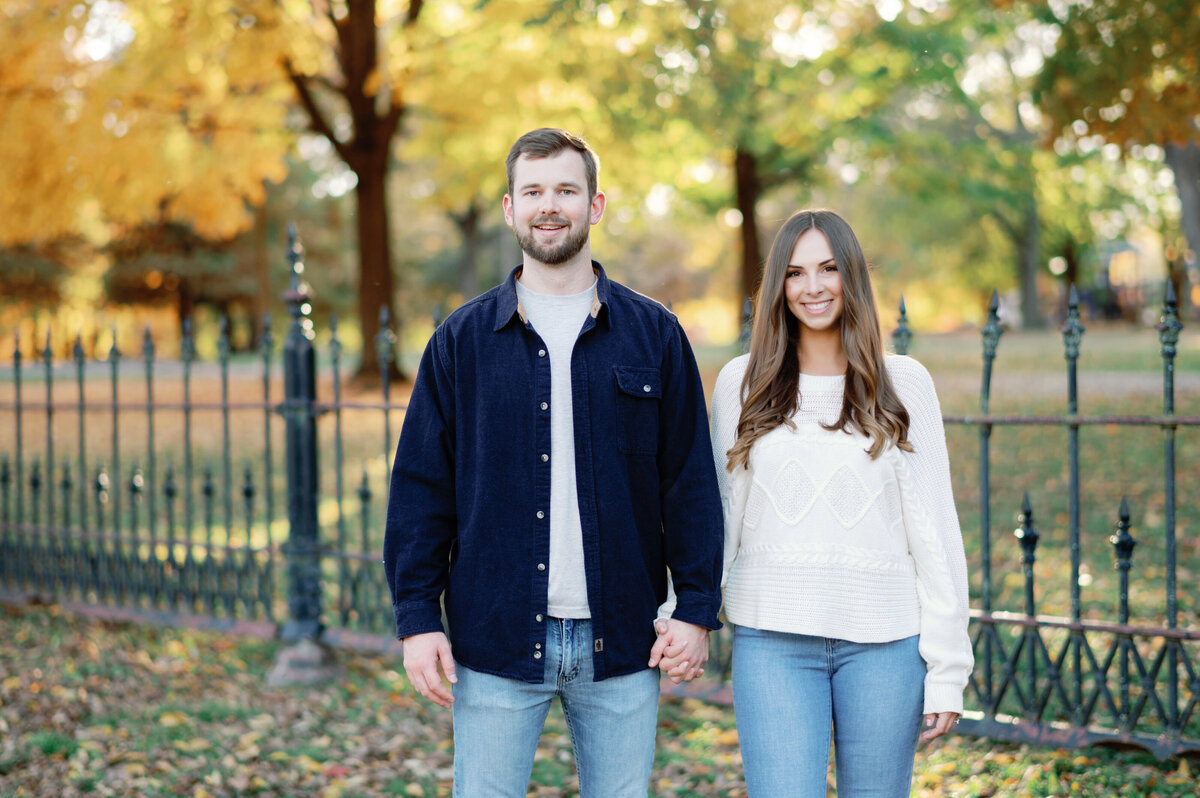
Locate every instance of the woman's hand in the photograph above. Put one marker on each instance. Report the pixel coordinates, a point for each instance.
(938, 724)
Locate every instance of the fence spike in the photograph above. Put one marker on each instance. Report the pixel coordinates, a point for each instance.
(902, 335)
(1122, 541)
(170, 490)
(1072, 328)
(1027, 533)
(1169, 325)
(267, 341)
(187, 347)
(992, 331)
(364, 488)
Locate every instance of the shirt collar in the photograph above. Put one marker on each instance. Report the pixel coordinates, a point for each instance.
(509, 304)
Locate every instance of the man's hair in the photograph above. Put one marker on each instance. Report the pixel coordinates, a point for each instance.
(549, 141)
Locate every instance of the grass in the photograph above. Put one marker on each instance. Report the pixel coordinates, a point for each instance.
(191, 716)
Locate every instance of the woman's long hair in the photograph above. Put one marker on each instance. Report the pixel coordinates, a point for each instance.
(770, 388)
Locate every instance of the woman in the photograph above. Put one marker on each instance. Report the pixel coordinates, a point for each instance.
(845, 575)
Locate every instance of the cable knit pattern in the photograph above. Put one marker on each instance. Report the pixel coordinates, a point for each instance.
(822, 540)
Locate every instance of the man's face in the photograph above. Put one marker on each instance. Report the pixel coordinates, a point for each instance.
(549, 209)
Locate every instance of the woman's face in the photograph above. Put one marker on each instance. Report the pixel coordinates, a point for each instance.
(812, 283)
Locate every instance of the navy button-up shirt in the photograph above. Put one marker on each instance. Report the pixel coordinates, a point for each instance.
(469, 506)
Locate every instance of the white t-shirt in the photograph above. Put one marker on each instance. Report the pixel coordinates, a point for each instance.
(558, 320)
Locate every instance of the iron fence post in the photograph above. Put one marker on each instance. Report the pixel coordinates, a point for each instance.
(1072, 332)
(1168, 332)
(991, 341)
(1123, 544)
(1028, 536)
(302, 550)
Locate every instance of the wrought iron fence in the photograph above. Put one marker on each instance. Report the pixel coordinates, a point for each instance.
(1072, 680)
(186, 526)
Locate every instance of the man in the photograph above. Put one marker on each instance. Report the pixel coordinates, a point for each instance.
(553, 463)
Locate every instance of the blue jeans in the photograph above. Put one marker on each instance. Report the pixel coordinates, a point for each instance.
(497, 722)
(789, 690)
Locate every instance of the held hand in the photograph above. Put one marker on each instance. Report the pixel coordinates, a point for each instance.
(938, 724)
(680, 650)
(422, 654)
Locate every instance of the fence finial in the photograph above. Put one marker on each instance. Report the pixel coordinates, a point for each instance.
(1072, 329)
(992, 329)
(902, 335)
(1026, 533)
(147, 344)
(1169, 325)
(1122, 541)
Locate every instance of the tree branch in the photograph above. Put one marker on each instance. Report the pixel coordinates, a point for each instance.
(414, 11)
(316, 119)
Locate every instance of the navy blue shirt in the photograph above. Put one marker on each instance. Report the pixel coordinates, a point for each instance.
(469, 505)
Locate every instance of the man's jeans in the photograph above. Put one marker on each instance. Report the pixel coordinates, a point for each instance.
(790, 689)
(497, 722)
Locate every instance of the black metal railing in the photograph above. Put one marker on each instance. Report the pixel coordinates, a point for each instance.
(1054, 679)
(179, 522)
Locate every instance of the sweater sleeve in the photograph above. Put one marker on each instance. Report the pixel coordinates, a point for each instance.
(934, 539)
(734, 487)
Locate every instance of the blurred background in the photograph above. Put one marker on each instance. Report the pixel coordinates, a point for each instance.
(152, 153)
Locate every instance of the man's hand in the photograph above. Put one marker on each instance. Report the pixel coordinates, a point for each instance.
(680, 650)
(422, 653)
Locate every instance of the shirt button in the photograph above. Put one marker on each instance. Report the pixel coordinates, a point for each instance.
(646, 388)
(537, 655)
(540, 515)
(545, 457)
(537, 645)
(541, 353)
(545, 406)
(541, 567)
(539, 618)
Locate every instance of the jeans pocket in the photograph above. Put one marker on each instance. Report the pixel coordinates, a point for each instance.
(639, 394)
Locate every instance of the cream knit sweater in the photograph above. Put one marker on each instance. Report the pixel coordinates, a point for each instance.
(822, 540)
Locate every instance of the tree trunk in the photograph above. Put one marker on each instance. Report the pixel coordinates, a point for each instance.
(376, 284)
(261, 260)
(472, 243)
(1028, 253)
(1184, 161)
(748, 189)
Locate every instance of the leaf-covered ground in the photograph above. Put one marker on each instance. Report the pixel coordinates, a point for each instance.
(106, 709)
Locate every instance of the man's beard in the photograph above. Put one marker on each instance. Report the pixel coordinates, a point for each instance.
(556, 254)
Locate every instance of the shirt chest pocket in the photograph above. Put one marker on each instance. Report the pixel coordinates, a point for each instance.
(639, 394)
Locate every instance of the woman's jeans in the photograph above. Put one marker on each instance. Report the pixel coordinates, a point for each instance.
(497, 722)
(788, 692)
